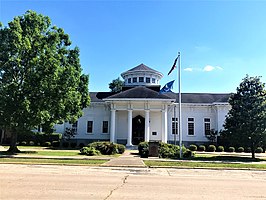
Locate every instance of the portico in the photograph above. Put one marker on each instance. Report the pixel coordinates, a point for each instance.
(140, 115)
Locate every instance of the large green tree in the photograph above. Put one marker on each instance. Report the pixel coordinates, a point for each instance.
(41, 80)
(245, 122)
(116, 85)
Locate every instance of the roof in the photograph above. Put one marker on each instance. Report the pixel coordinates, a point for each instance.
(142, 92)
(143, 68)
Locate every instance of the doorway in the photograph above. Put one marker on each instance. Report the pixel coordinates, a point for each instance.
(138, 129)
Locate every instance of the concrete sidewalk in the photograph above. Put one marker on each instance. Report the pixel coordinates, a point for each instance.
(129, 158)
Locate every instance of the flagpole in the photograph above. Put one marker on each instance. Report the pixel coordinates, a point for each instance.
(179, 98)
(175, 128)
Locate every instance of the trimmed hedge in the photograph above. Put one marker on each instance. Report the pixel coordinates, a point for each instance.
(193, 147)
(259, 150)
(202, 148)
(220, 149)
(165, 150)
(105, 148)
(231, 149)
(211, 148)
(240, 149)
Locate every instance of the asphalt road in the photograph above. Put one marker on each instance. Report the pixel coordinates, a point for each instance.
(81, 182)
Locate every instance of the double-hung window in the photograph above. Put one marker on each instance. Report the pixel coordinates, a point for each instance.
(105, 126)
(174, 125)
(89, 126)
(191, 126)
(207, 126)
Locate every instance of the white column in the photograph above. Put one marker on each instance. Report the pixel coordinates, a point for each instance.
(147, 125)
(164, 126)
(129, 128)
(112, 131)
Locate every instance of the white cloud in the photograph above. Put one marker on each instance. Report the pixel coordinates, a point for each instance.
(208, 68)
(220, 68)
(189, 69)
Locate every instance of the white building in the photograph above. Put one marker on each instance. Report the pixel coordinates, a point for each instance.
(140, 113)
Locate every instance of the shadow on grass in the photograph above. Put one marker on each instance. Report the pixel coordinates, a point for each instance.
(227, 158)
(7, 153)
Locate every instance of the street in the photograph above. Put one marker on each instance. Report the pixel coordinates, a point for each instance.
(83, 182)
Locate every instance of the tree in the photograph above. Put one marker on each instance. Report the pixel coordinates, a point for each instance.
(245, 122)
(116, 85)
(41, 80)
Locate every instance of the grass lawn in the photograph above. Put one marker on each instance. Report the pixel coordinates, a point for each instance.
(52, 161)
(190, 164)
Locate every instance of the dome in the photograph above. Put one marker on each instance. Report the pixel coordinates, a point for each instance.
(141, 75)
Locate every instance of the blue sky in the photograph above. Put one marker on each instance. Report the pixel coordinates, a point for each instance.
(220, 41)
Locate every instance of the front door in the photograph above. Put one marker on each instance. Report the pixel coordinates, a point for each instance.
(138, 130)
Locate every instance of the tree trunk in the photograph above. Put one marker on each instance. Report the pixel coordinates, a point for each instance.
(253, 150)
(13, 143)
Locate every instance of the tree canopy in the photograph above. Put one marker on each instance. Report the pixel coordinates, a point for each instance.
(245, 122)
(41, 80)
(116, 85)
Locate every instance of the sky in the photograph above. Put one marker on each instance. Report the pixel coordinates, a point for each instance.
(219, 41)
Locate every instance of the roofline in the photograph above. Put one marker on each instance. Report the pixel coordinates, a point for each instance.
(138, 99)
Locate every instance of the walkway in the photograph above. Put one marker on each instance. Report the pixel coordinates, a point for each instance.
(129, 158)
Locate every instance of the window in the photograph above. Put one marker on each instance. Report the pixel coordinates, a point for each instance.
(154, 133)
(190, 126)
(105, 126)
(141, 79)
(207, 126)
(148, 80)
(129, 80)
(134, 79)
(153, 80)
(89, 126)
(174, 125)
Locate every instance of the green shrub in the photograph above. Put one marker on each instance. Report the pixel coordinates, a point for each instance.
(106, 148)
(73, 144)
(188, 154)
(65, 144)
(202, 148)
(240, 149)
(143, 148)
(23, 143)
(231, 149)
(259, 150)
(169, 150)
(120, 148)
(31, 143)
(55, 143)
(81, 145)
(220, 149)
(193, 147)
(47, 144)
(248, 150)
(211, 148)
(89, 151)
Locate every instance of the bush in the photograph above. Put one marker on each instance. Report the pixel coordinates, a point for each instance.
(202, 148)
(47, 144)
(89, 151)
(211, 148)
(120, 148)
(81, 145)
(23, 143)
(31, 143)
(65, 144)
(259, 150)
(143, 148)
(231, 149)
(107, 148)
(240, 149)
(169, 150)
(188, 154)
(192, 147)
(55, 143)
(220, 149)
(248, 150)
(73, 144)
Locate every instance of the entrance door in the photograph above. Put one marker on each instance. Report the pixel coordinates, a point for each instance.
(138, 130)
